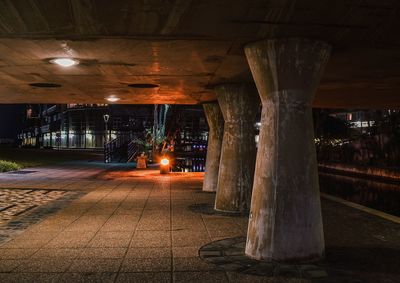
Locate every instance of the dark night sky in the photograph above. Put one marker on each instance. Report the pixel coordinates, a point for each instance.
(11, 117)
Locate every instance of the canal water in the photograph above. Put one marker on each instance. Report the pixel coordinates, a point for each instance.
(192, 164)
(373, 194)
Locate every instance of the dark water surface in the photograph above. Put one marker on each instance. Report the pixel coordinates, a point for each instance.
(373, 194)
(192, 164)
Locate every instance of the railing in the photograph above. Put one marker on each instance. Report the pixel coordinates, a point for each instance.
(121, 149)
(76, 106)
(109, 150)
(132, 150)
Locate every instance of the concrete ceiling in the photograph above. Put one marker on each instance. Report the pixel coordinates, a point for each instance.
(187, 46)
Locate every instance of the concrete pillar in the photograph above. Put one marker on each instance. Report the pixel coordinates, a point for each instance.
(239, 104)
(216, 125)
(285, 216)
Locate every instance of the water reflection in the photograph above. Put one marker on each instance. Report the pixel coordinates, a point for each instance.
(381, 196)
(189, 164)
(378, 195)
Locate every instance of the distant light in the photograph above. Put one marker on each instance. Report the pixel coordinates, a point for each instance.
(112, 98)
(65, 62)
(164, 161)
(106, 117)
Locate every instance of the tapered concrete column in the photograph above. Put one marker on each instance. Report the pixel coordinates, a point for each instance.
(285, 216)
(215, 134)
(239, 104)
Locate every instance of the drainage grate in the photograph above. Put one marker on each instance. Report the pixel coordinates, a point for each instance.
(228, 254)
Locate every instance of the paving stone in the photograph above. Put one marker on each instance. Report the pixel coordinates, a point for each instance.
(236, 277)
(287, 271)
(211, 253)
(151, 239)
(91, 277)
(146, 265)
(140, 252)
(100, 242)
(100, 253)
(189, 238)
(228, 254)
(192, 263)
(24, 277)
(114, 234)
(61, 253)
(20, 208)
(26, 244)
(144, 277)
(185, 251)
(218, 260)
(44, 265)
(200, 277)
(16, 253)
(95, 265)
(7, 265)
(151, 213)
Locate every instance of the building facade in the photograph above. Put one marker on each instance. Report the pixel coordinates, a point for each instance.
(82, 126)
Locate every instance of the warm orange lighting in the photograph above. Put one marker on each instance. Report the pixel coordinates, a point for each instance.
(164, 161)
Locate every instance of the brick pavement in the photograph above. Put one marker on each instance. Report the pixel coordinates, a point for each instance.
(136, 226)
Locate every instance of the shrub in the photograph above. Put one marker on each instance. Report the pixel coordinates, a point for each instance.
(8, 166)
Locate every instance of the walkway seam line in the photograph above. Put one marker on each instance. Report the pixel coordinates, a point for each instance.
(365, 209)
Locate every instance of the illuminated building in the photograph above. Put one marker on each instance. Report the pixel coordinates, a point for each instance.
(82, 126)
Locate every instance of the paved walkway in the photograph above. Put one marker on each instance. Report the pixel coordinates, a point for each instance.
(135, 226)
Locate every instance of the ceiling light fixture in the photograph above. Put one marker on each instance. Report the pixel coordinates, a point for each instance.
(65, 62)
(112, 98)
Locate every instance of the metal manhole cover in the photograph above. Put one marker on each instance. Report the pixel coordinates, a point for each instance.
(206, 208)
(228, 254)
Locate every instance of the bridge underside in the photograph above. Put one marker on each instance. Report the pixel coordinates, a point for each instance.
(299, 54)
(177, 51)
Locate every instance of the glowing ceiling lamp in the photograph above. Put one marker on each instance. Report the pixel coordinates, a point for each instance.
(112, 98)
(65, 62)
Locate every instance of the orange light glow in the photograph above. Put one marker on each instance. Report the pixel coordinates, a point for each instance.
(164, 161)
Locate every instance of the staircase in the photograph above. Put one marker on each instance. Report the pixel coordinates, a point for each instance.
(121, 150)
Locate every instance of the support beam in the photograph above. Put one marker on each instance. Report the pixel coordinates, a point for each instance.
(216, 125)
(285, 216)
(239, 104)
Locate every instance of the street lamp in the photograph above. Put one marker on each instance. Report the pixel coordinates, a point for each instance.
(106, 117)
(164, 166)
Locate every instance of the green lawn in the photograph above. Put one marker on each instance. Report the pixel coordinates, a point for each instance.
(38, 157)
(6, 166)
